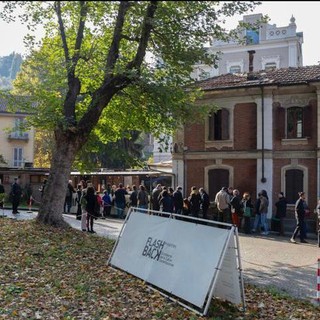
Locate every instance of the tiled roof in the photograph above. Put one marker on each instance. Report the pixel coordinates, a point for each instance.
(280, 77)
(4, 105)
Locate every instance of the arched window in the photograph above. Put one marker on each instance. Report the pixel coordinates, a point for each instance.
(294, 122)
(294, 184)
(219, 125)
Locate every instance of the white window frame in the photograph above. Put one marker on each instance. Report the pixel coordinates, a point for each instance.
(274, 59)
(238, 63)
(18, 160)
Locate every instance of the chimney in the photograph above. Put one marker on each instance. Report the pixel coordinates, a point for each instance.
(251, 75)
(251, 54)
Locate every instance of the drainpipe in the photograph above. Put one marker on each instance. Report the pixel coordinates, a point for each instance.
(263, 178)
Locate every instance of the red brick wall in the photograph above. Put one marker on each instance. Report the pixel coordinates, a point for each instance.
(195, 136)
(245, 126)
(244, 174)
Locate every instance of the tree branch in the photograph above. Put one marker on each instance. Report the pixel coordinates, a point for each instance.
(71, 63)
(145, 35)
(77, 47)
(136, 39)
(57, 8)
(117, 35)
(113, 84)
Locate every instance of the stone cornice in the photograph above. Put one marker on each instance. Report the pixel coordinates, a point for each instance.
(247, 155)
(300, 100)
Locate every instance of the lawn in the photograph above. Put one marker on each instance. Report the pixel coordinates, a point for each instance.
(48, 273)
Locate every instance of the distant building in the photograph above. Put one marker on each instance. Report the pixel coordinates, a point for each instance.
(271, 47)
(274, 47)
(265, 136)
(16, 145)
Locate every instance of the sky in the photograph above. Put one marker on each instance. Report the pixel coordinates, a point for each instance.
(306, 14)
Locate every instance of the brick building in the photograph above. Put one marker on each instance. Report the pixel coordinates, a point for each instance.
(265, 135)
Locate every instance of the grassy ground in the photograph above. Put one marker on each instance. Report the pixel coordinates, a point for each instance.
(48, 273)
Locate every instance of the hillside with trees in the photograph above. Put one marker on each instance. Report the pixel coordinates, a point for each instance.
(9, 67)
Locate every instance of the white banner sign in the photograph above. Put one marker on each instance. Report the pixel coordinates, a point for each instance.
(179, 257)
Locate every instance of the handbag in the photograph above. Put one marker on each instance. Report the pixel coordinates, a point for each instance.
(247, 212)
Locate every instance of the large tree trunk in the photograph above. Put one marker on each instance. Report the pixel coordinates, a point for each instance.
(51, 207)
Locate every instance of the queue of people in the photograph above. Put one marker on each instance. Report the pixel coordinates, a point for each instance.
(250, 216)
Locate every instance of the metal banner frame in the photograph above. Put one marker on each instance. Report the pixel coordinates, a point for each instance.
(232, 243)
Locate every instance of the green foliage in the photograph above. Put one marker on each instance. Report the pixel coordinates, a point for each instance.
(90, 76)
(122, 154)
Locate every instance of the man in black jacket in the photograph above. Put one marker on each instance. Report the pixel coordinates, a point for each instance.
(178, 200)
(16, 193)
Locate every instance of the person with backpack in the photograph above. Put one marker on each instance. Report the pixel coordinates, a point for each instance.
(107, 204)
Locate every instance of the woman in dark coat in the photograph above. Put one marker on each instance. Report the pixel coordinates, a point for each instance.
(195, 202)
(281, 206)
(167, 202)
(91, 208)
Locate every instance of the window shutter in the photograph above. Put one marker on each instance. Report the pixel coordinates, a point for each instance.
(211, 126)
(307, 121)
(224, 124)
(280, 121)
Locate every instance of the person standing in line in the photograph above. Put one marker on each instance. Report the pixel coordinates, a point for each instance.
(79, 195)
(261, 206)
(205, 203)
(134, 197)
(178, 200)
(83, 202)
(155, 197)
(300, 209)
(120, 200)
(247, 211)
(222, 201)
(68, 199)
(107, 203)
(16, 193)
(263, 209)
(2, 194)
(142, 197)
(166, 202)
(195, 202)
(91, 206)
(236, 210)
(281, 210)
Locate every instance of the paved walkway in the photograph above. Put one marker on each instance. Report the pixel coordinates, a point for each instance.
(266, 260)
(109, 228)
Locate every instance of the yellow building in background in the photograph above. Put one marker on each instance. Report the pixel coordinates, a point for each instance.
(16, 145)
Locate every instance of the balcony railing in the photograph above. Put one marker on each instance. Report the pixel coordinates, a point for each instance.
(18, 136)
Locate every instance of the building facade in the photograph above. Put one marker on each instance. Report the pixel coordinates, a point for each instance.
(274, 47)
(16, 145)
(271, 46)
(266, 135)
